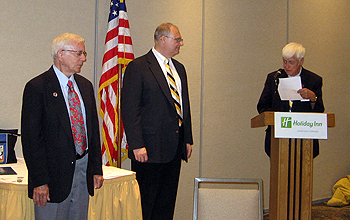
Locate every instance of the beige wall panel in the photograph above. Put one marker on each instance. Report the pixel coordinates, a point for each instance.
(323, 28)
(243, 42)
(27, 30)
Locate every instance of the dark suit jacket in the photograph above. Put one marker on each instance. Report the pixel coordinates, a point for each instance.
(47, 140)
(270, 100)
(148, 111)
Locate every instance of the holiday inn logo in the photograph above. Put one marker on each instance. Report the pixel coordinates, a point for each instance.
(286, 122)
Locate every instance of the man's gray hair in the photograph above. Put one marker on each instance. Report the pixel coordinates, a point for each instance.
(162, 30)
(62, 41)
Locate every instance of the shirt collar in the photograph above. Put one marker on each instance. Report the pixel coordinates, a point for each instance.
(159, 56)
(63, 79)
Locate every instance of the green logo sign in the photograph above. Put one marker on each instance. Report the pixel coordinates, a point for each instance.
(286, 122)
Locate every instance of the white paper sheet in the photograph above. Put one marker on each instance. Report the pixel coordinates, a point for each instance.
(288, 88)
(110, 172)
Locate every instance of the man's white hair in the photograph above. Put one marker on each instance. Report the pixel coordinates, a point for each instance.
(293, 49)
(62, 41)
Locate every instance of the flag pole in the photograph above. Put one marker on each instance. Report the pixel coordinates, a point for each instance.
(119, 139)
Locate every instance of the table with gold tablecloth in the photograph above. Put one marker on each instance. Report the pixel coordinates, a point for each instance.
(119, 197)
(14, 201)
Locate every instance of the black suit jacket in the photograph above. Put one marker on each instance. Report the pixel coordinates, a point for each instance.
(270, 100)
(148, 111)
(47, 140)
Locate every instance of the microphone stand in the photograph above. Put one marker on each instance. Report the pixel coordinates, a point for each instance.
(276, 76)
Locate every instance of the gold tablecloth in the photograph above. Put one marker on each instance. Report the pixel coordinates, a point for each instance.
(14, 202)
(118, 199)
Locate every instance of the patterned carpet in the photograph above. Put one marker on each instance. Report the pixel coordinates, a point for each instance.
(322, 211)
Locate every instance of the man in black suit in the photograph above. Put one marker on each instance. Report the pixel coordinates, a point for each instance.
(270, 100)
(158, 128)
(61, 175)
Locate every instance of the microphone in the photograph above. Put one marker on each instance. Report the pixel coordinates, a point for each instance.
(277, 75)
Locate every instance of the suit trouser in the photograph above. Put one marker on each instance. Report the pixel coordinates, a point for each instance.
(75, 206)
(158, 187)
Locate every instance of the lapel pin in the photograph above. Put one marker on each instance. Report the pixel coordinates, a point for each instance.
(55, 94)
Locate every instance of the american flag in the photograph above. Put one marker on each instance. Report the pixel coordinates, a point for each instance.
(118, 53)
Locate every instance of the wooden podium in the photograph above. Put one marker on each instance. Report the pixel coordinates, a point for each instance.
(291, 172)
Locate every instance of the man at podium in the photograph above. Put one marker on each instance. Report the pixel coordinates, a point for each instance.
(270, 100)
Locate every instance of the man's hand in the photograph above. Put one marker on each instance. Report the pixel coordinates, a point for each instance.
(307, 94)
(141, 155)
(41, 195)
(98, 181)
(189, 150)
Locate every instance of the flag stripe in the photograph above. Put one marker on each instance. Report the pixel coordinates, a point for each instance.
(118, 53)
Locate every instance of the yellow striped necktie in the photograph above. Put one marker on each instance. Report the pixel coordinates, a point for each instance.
(174, 91)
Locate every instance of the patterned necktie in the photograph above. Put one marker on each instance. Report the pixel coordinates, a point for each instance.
(77, 120)
(174, 92)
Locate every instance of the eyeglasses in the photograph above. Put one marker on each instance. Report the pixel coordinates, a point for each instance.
(177, 39)
(77, 52)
